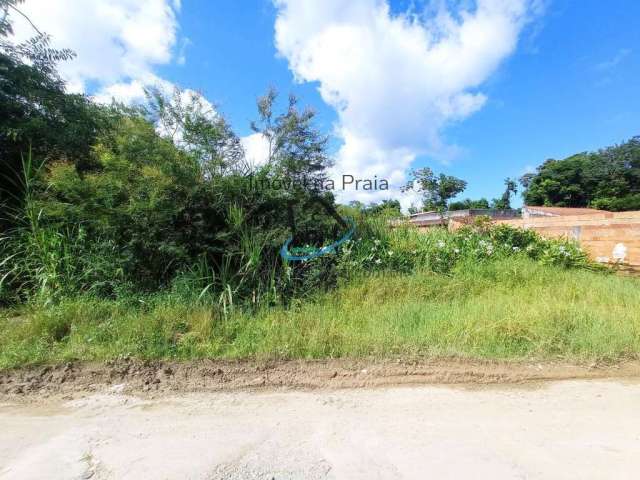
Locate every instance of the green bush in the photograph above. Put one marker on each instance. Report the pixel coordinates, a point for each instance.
(618, 204)
(406, 249)
(149, 214)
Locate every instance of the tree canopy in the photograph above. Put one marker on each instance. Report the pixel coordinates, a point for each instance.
(608, 179)
(109, 198)
(436, 190)
(37, 116)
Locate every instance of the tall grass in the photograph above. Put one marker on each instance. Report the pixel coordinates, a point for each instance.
(481, 291)
(41, 263)
(45, 257)
(510, 309)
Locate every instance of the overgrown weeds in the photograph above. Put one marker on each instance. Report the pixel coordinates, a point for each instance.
(507, 308)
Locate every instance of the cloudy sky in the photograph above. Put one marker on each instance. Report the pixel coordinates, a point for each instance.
(479, 89)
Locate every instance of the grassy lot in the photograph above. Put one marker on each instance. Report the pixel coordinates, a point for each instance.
(506, 309)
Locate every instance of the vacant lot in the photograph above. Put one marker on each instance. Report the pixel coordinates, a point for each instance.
(507, 309)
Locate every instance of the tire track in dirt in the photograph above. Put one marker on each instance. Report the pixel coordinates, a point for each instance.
(157, 377)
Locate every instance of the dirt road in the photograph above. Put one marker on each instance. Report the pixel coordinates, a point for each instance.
(577, 429)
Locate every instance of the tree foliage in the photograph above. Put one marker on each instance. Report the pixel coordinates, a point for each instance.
(436, 190)
(297, 150)
(37, 116)
(147, 197)
(608, 179)
(169, 205)
(191, 123)
(468, 204)
(504, 202)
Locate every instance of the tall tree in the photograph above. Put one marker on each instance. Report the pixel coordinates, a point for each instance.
(193, 124)
(297, 150)
(607, 179)
(37, 116)
(387, 207)
(504, 202)
(436, 190)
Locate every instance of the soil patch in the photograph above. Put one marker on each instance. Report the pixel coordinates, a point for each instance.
(163, 377)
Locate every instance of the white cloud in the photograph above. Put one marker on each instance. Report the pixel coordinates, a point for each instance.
(615, 60)
(256, 149)
(182, 54)
(117, 42)
(132, 91)
(396, 80)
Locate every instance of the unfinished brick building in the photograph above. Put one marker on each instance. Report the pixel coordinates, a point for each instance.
(609, 237)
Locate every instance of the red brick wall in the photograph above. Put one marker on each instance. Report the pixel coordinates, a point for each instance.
(598, 233)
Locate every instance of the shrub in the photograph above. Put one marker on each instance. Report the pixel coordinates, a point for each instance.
(405, 249)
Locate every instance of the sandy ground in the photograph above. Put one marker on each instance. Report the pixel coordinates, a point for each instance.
(574, 429)
(159, 378)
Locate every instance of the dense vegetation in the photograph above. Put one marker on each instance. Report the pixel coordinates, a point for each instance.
(608, 179)
(497, 293)
(438, 191)
(144, 231)
(110, 200)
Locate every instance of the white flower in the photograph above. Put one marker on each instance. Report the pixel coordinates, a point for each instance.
(440, 244)
(457, 250)
(391, 253)
(378, 261)
(516, 249)
(376, 242)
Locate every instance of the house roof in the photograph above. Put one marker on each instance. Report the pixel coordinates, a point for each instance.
(422, 213)
(562, 211)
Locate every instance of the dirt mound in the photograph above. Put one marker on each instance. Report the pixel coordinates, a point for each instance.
(136, 376)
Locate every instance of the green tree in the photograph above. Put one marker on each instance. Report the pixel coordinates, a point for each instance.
(504, 202)
(37, 116)
(192, 124)
(387, 207)
(136, 197)
(436, 190)
(468, 204)
(297, 150)
(609, 179)
(297, 161)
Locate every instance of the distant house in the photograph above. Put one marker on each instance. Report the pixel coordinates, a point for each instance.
(432, 218)
(608, 237)
(427, 219)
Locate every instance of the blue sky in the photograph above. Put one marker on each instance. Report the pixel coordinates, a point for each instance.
(571, 85)
(560, 77)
